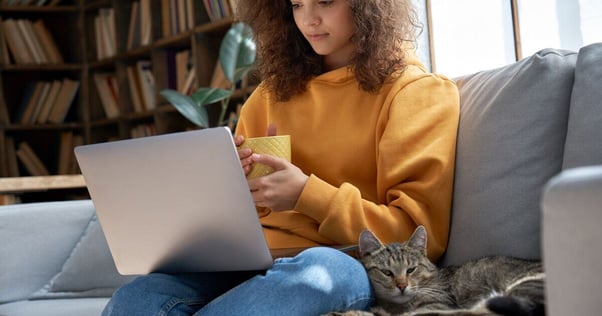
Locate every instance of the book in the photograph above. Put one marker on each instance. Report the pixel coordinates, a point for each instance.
(73, 167)
(5, 53)
(107, 97)
(134, 88)
(39, 102)
(146, 83)
(181, 16)
(100, 49)
(142, 130)
(16, 45)
(47, 42)
(190, 83)
(113, 88)
(30, 160)
(145, 22)
(32, 103)
(173, 12)
(55, 87)
(37, 43)
(190, 14)
(166, 18)
(28, 38)
(134, 27)
(104, 24)
(109, 14)
(233, 5)
(65, 152)
(182, 60)
(37, 48)
(63, 101)
(11, 158)
(209, 10)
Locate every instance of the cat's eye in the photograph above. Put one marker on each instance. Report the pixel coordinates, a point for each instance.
(410, 270)
(387, 273)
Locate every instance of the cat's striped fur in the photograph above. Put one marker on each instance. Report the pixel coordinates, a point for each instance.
(406, 282)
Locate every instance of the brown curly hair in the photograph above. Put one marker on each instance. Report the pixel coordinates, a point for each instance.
(286, 61)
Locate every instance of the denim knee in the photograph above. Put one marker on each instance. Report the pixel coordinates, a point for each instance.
(347, 278)
(314, 282)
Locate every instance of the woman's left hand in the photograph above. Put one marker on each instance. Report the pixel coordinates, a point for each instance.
(279, 190)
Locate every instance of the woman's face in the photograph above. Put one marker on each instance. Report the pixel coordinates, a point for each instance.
(328, 27)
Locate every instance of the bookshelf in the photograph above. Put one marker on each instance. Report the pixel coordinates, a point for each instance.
(87, 71)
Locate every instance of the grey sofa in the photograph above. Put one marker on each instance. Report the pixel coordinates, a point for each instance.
(528, 184)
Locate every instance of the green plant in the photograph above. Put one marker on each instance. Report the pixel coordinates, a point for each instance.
(236, 57)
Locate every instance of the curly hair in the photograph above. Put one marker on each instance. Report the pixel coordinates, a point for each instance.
(286, 61)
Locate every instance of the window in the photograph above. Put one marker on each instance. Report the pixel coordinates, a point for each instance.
(567, 24)
(464, 36)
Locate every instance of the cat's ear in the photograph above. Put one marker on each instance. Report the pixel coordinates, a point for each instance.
(418, 239)
(368, 243)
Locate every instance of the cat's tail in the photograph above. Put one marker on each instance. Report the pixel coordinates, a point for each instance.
(515, 306)
(523, 298)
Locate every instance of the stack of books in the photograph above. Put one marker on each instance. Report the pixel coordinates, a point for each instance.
(30, 42)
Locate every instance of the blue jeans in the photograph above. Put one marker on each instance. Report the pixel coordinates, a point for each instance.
(316, 281)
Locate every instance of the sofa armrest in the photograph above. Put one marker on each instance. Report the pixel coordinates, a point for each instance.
(572, 241)
(35, 241)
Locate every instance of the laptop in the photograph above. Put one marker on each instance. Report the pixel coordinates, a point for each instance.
(175, 203)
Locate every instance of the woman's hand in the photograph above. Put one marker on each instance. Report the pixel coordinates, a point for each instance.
(244, 154)
(280, 190)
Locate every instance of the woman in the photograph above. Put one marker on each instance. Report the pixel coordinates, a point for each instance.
(373, 141)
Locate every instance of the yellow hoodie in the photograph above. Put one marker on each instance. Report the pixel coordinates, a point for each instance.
(380, 161)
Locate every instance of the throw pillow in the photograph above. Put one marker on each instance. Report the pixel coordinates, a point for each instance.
(510, 142)
(583, 145)
(88, 272)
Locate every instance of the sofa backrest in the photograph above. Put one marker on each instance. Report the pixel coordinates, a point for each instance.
(511, 137)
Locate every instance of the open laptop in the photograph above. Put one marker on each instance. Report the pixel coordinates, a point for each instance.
(175, 203)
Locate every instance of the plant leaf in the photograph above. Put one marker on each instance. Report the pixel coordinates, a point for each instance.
(246, 58)
(194, 112)
(237, 50)
(204, 96)
(241, 72)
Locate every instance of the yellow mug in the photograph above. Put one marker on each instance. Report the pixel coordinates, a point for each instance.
(279, 146)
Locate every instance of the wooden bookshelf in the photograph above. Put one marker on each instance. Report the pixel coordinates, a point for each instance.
(124, 54)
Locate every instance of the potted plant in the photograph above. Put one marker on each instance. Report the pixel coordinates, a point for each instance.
(236, 58)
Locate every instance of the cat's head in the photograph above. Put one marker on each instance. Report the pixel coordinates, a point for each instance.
(397, 271)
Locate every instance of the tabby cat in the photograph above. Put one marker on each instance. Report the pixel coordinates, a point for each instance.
(406, 283)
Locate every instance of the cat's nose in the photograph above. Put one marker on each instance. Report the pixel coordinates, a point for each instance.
(401, 286)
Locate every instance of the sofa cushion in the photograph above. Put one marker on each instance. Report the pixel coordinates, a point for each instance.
(584, 134)
(510, 142)
(36, 240)
(88, 272)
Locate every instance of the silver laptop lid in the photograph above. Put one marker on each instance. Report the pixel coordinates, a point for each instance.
(175, 203)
